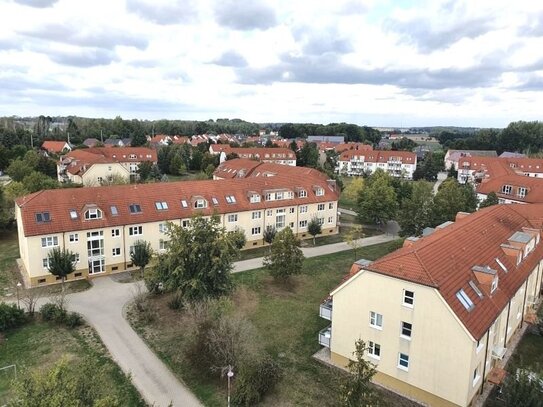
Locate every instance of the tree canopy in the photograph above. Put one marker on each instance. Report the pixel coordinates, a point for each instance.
(285, 258)
(452, 198)
(416, 211)
(377, 201)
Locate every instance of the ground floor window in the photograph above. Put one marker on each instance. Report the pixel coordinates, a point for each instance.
(96, 266)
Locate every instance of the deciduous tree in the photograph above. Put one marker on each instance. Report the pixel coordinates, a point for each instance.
(314, 228)
(141, 255)
(61, 264)
(377, 201)
(416, 212)
(491, 199)
(285, 258)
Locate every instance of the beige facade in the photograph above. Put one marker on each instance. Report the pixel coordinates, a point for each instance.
(110, 251)
(97, 174)
(446, 365)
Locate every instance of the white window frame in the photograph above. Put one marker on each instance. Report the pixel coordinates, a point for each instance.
(374, 350)
(200, 204)
(507, 189)
(92, 214)
(73, 237)
(232, 218)
(331, 205)
(116, 251)
(319, 192)
(163, 228)
(476, 377)
(408, 327)
(135, 230)
(409, 298)
(269, 212)
(302, 194)
(320, 207)
(330, 219)
(49, 241)
(255, 198)
(115, 232)
(291, 210)
(405, 359)
(45, 263)
(163, 244)
(465, 300)
(375, 318)
(303, 209)
(256, 215)
(185, 223)
(303, 224)
(257, 230)
(161, 205)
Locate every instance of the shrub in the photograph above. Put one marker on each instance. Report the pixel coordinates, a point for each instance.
(255, 378)
(11, 316)
(73, 320)
(176, 302)
(53, 312)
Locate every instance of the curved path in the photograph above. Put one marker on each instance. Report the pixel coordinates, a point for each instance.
(102, 307)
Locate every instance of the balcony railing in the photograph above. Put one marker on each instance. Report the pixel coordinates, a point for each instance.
(325, 309)
(325, 336)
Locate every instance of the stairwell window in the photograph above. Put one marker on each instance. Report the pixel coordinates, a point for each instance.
(376, 320)
(406, 330)
(374, 350)
(403, 361)
(408, 298)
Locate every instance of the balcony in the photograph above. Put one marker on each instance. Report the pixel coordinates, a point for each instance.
(325, 336)
(325, 309)
(498, 352)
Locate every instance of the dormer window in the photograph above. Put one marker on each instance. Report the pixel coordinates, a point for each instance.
(43, 217)
(507, 189)
(279, 195)
(135, 208)
(73, 214)
(302, 193)
(94, 213)
(161, 206)
(200, 203)
(133, 156)
(268, 197)
(319, 191)
(522, 192)
(255, 198)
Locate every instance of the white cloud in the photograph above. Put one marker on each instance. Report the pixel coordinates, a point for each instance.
(369, 62)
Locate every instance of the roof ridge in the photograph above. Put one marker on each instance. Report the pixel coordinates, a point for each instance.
(425, 270)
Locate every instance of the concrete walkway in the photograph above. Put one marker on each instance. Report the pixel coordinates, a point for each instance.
(102, 307)
(251, 264)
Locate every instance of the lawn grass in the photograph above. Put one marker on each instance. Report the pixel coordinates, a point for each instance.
(287, 321)
(39, 345)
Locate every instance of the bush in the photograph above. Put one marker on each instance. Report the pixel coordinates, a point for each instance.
(255, 378)
(176, 302)
(53, 312)
(73, 320)
(11, 316)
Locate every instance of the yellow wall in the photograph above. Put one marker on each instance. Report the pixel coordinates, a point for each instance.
(90, 177)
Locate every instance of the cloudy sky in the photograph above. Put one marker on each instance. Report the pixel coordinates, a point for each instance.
(377, 62)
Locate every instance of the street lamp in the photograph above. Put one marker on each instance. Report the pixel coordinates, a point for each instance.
(19, 285)
(229, 374)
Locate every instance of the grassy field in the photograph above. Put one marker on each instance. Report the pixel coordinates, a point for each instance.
(287, 323)
(39, 345)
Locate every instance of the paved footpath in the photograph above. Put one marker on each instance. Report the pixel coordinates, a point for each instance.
(102, 307)
(251, 264)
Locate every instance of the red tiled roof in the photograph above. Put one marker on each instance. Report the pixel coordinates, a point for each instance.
(60, 201)
(379, 156)
(261, 153)
(445, 258)
(252, 168)
(53, 146)
(352, 146)
(78, 160)
(236, 168)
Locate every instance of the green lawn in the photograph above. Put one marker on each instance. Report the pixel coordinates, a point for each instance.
(287, 322)
(39, 345)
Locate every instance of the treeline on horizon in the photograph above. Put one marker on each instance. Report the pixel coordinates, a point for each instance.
(42, 128)
(521, 136)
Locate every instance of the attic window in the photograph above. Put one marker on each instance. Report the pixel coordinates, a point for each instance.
(42, 217)
(319, 192)
(93, 214)
(200, 203)
(73, 214)
(114, 210)
(465, 300)
(501, 265)
(231, 199)
(494, 284)
(161, 206)
(302, 193)
(255, 198)
(476, 289)
(135, 208)
(215, 201)
(184, 204)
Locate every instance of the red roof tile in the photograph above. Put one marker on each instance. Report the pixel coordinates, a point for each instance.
(445, 258)
(53, 146)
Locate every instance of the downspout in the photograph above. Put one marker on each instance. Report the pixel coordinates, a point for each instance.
(524, 303)
(507, 324)
(124, 246)
(486, 357)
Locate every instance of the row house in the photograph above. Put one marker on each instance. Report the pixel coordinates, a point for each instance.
(453, 157)
(100, 225)
(359, 162)
(277, 155)
(455, 300)
(98, 165)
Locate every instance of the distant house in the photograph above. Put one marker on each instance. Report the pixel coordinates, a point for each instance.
(508, 154)
(277, 155)
(98, 165)
(364, 161)
(328, 139)
(55, 147)
(453, 156)
(91, 142)
(114, 142)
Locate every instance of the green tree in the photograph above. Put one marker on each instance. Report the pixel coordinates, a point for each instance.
(314, 228)
(36, 181)
(429, 167)
(308, 156)
(450, 199)
(490, 200)
(377, 202)
(61, 264)
(141, 255)
(416, 211)
(6, 210)
(138, 139)
(356, 389)
(18, 169)
(285, 258)
(269, 234)
(353, 189)
(352, 238)
(144, 170)
(199, 260)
